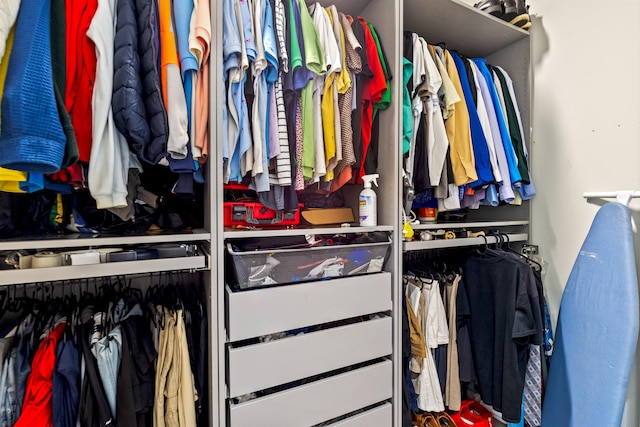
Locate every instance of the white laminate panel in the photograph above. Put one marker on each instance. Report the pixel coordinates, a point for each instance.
(376, 417)
(264, 311)
(318, 401)
(260, 366)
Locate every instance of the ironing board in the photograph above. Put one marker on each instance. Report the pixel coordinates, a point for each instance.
(597, 328)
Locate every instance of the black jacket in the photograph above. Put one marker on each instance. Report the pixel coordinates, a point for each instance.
(138, 108)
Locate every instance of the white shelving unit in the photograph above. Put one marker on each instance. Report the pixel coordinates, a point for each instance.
(375, 382)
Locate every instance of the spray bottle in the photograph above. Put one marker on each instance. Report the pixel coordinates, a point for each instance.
(368, 202)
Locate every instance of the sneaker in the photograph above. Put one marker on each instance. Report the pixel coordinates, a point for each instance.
(492, 7)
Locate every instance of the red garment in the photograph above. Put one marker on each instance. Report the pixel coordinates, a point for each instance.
(37, 407)
(473, 414)
(81, 71)
(372, 90)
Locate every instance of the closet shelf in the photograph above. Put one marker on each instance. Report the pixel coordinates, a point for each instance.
(455, 243)
(83, 240)
(230, 233)
(476, 224)
(74, 272)
(465, 29)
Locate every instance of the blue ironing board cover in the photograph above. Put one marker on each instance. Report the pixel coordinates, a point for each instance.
(597, 328)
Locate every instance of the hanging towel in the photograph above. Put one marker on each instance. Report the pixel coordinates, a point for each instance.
(32, 139)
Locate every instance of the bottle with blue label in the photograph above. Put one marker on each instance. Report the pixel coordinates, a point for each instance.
(367, 202)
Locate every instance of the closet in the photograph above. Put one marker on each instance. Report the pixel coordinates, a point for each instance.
(348, 372)
(301, 379)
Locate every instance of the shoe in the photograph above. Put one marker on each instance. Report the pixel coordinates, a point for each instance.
(444, 420)
(522, 17)
(432, 420)
(510, 10)
(492, 7)
(418, 420)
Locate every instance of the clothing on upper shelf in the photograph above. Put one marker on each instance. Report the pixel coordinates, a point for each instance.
(324, 130)
(489, 314)
(104, 98)
(466, 144)
(104, 359)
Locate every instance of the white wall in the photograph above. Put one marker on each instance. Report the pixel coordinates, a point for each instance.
(586, 128)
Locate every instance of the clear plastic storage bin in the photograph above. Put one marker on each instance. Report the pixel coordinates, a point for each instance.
(279, 266)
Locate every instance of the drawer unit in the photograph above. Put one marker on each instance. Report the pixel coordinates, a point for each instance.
(260, 366)
(318, 401)
(376, 417)
(264, 311)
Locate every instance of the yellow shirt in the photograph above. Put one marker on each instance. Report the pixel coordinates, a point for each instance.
(459, 132)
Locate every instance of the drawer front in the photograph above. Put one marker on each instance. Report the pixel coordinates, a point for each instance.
(319, 401)
(265, 311)
(260, 366)
(376, 417)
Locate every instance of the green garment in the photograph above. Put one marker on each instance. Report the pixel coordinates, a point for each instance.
(385, 102)
(295, 55)
(308, 140)
(407, 112)
(313, 52)
(58, 68)
(514, 130)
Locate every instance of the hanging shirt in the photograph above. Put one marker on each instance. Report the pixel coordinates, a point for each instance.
(480, 150)
(483, 116)
(199, 44)
(330, 113)
(371, 161)
(437, 142)
(372, 91)
(81, 71)
(109, 169)
(407, 116)
(351, 62)
(485, 82)
(172, 89)
(37, 405)
(459, 132)
(315, 62)
(325, 36)
(515, 128)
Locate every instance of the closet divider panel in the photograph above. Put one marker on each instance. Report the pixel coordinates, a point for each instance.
(318, 401)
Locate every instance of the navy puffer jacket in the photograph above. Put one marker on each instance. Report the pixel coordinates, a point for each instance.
(138, 108)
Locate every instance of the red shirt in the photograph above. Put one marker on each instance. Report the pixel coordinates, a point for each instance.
(372, 90)
(37, 409)
(81, 71)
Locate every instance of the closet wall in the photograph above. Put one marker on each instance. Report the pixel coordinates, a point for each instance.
(577, 147)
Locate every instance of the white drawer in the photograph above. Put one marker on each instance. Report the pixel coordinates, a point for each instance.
(376, 417)
(264, 311)
(316, 402)
(260, 366)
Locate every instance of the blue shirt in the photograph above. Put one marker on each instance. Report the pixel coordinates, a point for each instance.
(512, 162)
(478, 140)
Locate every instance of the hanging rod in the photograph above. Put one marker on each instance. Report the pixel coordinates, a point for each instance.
(622, 196)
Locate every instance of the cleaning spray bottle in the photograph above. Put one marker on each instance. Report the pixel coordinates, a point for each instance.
(367, 202)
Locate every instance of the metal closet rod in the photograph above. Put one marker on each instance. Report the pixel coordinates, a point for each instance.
(622, 196)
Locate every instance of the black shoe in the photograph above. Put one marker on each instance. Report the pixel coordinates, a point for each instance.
(492, 7)
(522, 18)
(510, 10)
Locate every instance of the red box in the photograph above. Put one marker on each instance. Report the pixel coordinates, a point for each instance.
(256, 214)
